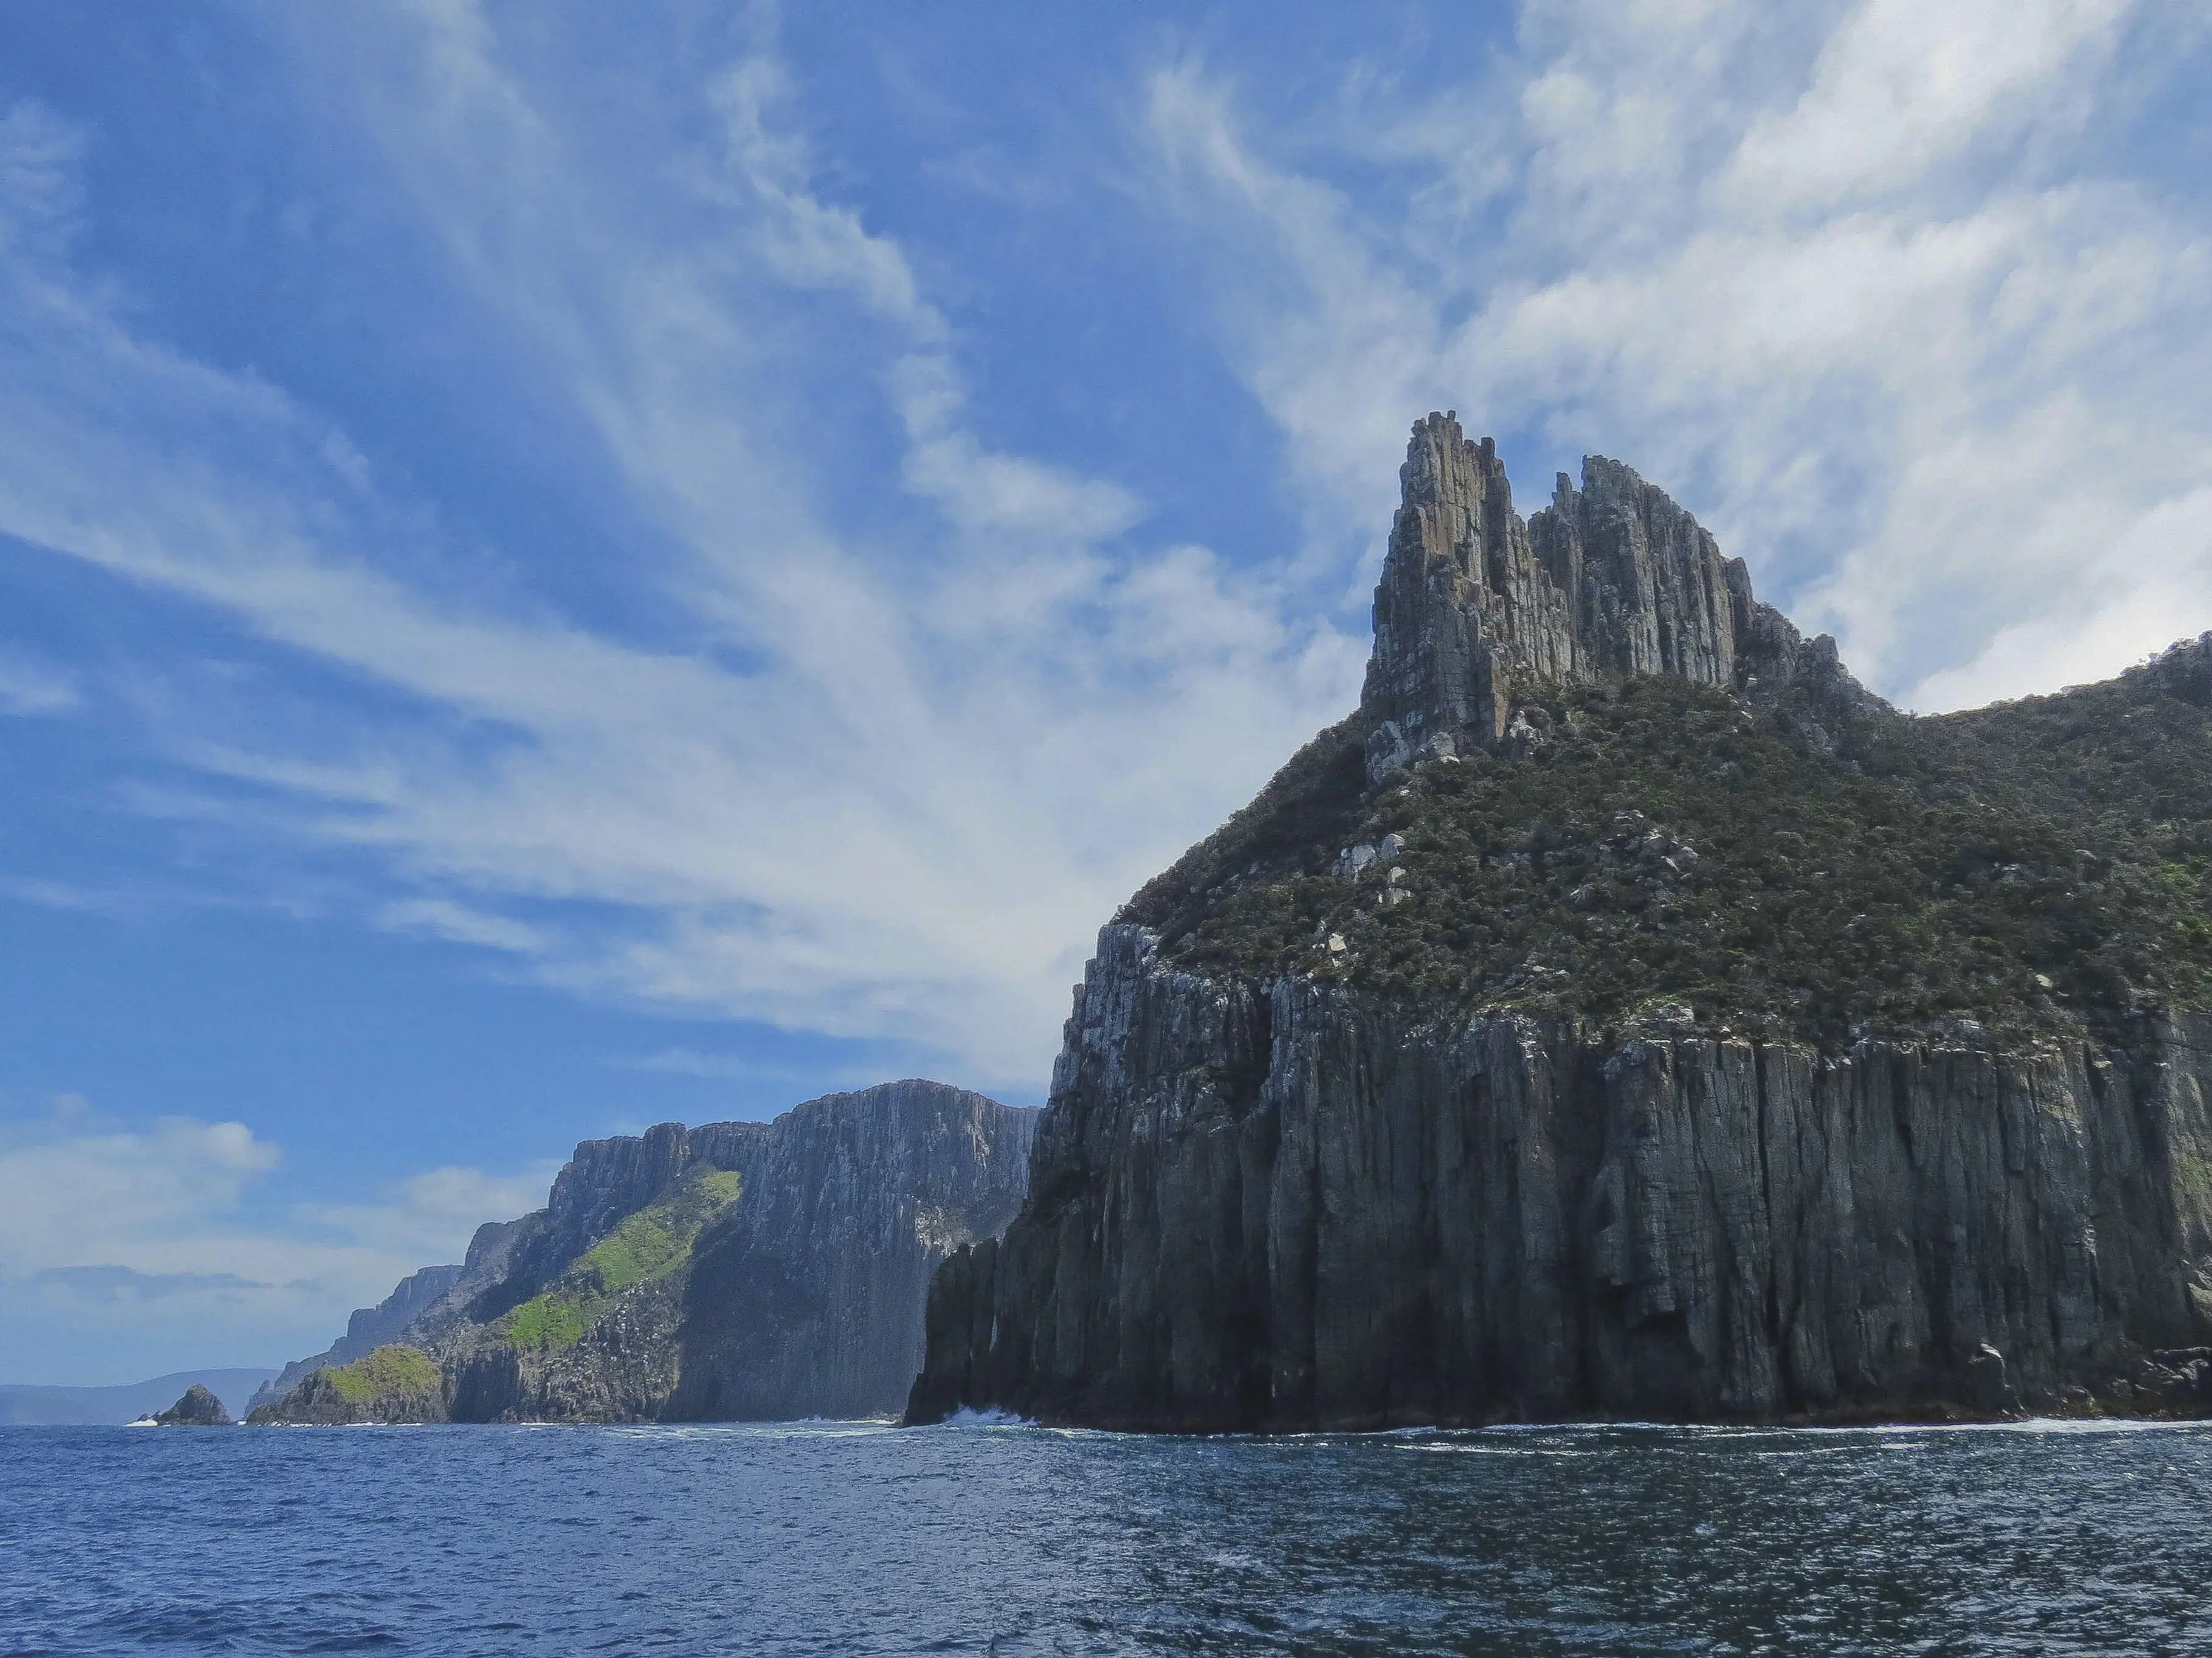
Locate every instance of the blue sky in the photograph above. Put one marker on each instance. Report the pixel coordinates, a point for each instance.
(562, 567)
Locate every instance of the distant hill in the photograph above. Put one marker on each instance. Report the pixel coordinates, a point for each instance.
(22, 1406)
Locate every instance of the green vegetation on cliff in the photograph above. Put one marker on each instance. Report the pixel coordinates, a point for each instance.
(648, 1246)
(395, 1372)
(2032, 865)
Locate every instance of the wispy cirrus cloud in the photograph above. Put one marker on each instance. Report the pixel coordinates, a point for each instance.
(876, 785)
(1839, 279)
(911, 707)
(28, 687)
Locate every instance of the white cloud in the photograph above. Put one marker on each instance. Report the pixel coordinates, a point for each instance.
(688, 1062)
(28, 687)
(1832, 278)
(1337, 343)
(430, 1217)
(132, 1199)
(2159, 583)
(981, 491)
(66, 895)
(740, 1067)
(41, 190)
(939, 762)
(441, 918)
(151, 1231)
(809, 243)
(1901, 88)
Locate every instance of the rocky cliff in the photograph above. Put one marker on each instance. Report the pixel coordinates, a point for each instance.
(394, 1383)
(1625, 1014)
(735, 1269)
(1610, 580)
(369, 1328)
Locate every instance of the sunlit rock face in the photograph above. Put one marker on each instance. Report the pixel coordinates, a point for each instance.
(1318, 1155)
(1611, 578)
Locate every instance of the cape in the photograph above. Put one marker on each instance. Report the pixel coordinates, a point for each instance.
(1625, 1014)
(731, 1271)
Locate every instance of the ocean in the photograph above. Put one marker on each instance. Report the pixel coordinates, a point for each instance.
(825, 1537)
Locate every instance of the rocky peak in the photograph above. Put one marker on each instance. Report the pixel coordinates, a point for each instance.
(1610, 580)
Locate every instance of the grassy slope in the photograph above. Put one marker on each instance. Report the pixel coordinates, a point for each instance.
(2036, 865)
(647, 1246)
(395, 1372)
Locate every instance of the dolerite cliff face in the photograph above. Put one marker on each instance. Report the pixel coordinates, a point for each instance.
(809, 1302)
(1608, 580)
(731, 1271)
(1625, 1014)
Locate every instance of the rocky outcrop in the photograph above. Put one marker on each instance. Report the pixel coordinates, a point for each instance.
(734, 1270)
(117, 1406)
(391, 1384)
(1357, 1127)
(197, 1408)
(369, 1328)
(1610, 580)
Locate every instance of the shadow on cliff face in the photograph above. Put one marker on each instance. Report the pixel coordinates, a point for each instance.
(756, 1334)
(807, 1301)
(1501, 1222)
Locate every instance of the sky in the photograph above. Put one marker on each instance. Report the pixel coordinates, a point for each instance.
(564, 567)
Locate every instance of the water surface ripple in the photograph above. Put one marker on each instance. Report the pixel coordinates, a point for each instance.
(854, 1539)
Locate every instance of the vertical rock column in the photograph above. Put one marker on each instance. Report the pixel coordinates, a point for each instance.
(1430, 680)
(1610, 580)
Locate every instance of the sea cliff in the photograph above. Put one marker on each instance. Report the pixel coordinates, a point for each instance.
(1278, 1207)
(736, 1270)
(1625, 1014)
(369, 1328)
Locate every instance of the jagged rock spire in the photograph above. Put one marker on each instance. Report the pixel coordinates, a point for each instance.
(1610, 580)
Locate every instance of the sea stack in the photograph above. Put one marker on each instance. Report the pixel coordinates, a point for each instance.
(197, 1408)
(1625, 1014)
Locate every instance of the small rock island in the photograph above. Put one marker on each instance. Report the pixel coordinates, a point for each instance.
(197, 1408)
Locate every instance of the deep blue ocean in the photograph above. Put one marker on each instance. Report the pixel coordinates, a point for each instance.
(843, 1539)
